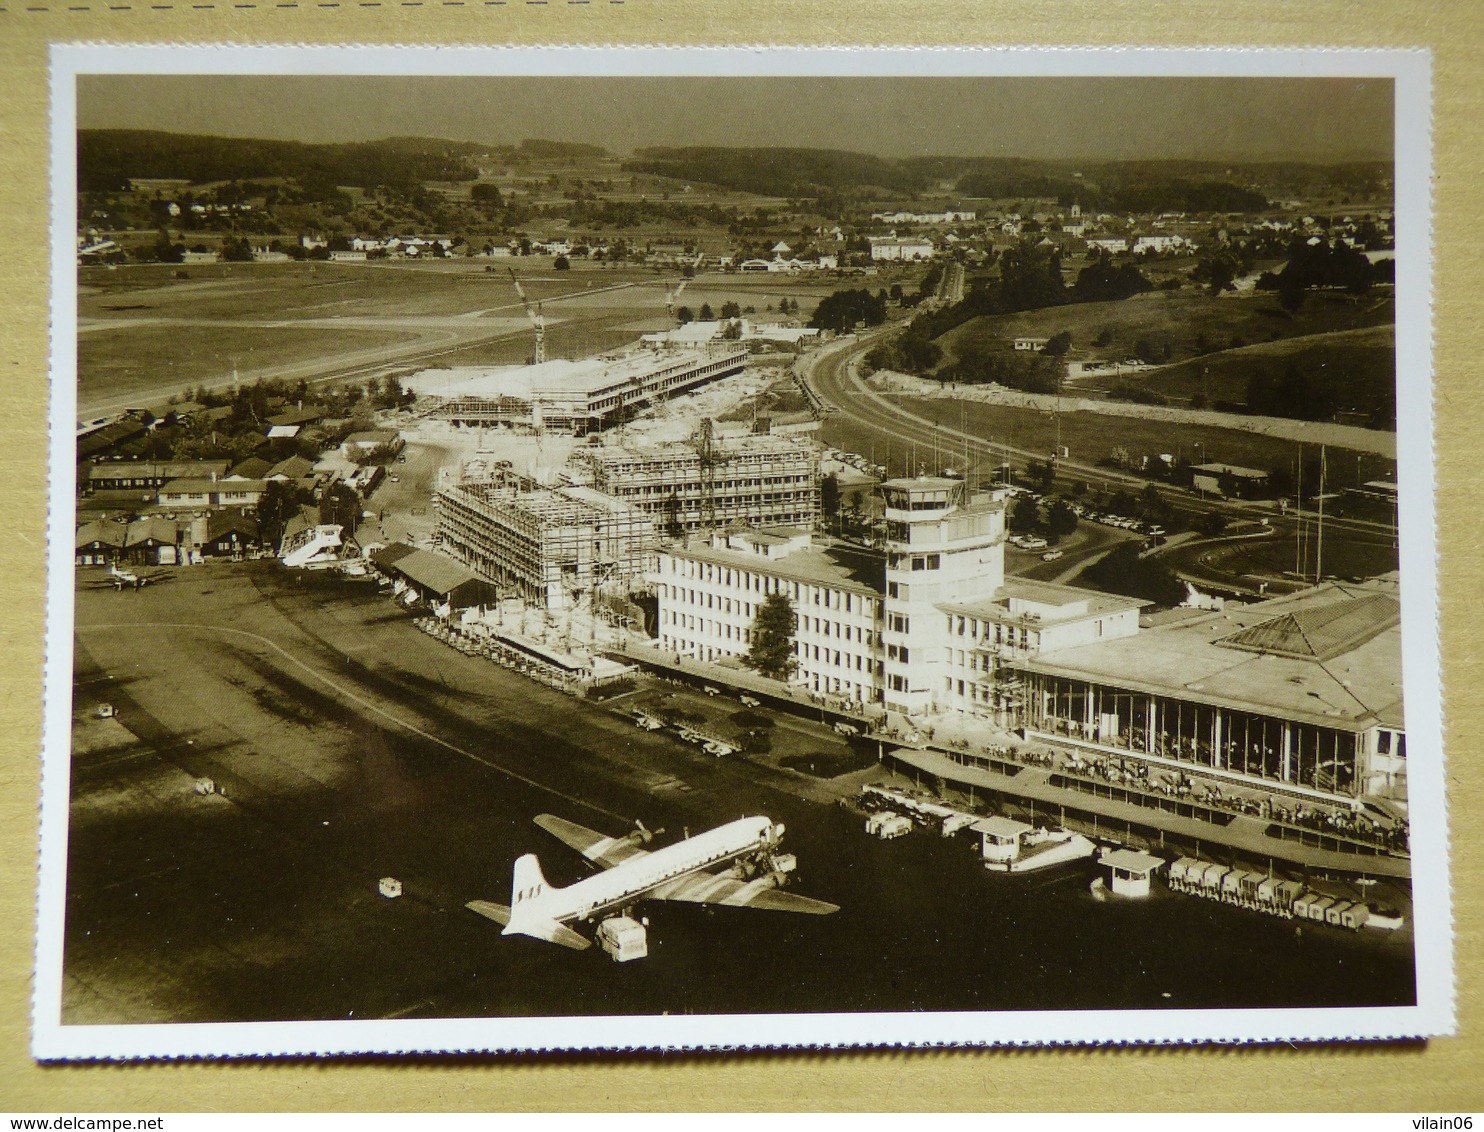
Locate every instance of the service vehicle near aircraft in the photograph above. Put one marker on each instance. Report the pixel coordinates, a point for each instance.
(736, 864)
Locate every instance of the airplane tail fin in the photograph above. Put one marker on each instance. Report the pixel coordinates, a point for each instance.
(529, 882)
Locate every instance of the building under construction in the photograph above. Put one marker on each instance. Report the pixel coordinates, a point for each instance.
(577, 396)
(552, 547)
(761, 481)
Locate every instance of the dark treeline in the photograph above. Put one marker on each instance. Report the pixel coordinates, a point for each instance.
(618, 214)
(1143, 186)
(843, 311)
(778, 172)
(1030, 278)
(108, 159)
(1324, 265)
(1154, 194)
(1318, 389)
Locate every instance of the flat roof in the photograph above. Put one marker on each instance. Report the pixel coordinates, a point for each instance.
(1130, 860)
(1231, 469)
(840, 566)
(1092, 603)
(560, 375)
(1001, 827)
(1357, 687)
(620, 451)
(923, 483)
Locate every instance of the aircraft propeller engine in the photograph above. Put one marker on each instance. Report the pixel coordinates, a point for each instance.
(642, 834)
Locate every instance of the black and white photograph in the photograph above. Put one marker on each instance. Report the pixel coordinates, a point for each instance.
(665, 549)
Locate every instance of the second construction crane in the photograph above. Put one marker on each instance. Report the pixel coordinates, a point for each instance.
(673, 290)
(538, 321)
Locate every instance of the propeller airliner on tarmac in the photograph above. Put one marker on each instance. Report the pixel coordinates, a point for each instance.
(736, 864)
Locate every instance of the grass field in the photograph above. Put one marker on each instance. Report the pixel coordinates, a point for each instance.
(148, 357)
(1091, 437)
(147, 330)
(1367, 356)
(1344, 556)
(1178, 318)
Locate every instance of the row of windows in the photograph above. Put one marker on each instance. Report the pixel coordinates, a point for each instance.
(721, 629)
(833, 656)
(754, 582)
(914, 561)
(802, 483)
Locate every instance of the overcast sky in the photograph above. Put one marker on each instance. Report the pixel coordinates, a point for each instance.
(1078, 118)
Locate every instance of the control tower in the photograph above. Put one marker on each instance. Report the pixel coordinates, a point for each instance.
(941, 546)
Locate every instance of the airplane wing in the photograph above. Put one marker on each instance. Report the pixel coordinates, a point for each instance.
(708, 888)
(605, 851)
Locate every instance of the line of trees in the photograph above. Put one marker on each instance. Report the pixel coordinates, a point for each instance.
(108, 160)
(843, 311)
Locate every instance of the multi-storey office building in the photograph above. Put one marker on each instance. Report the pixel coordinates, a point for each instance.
(710, 588)
(550, 547)
(762, 481)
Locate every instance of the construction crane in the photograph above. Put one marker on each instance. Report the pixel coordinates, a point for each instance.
(672, 293)
(538, 353)
(709, 454)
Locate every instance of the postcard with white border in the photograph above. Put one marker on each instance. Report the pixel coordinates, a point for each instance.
(681, 549)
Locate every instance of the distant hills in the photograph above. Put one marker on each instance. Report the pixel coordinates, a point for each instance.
(108, 160)
(1124, 186)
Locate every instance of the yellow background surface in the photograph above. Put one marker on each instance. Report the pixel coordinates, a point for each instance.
(1441, 1075)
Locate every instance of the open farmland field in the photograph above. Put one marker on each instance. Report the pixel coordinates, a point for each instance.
(1366, 357)
(138, 361)
(145, 333)
(1179, 318)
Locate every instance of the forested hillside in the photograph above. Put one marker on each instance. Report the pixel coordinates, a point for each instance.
(1129, 186)
(108, 159)
(780, 172)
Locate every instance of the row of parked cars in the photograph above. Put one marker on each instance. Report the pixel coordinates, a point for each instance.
(1138, 526)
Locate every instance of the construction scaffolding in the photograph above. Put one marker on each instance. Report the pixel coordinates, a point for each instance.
(759, 481)
(552, 547)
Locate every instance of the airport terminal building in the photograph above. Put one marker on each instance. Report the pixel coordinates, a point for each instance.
(1300, 694)
(577, 396)
(1296, 698)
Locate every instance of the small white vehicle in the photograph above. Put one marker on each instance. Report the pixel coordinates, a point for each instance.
(888, 825)
(623, 939)
(1052, 555)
